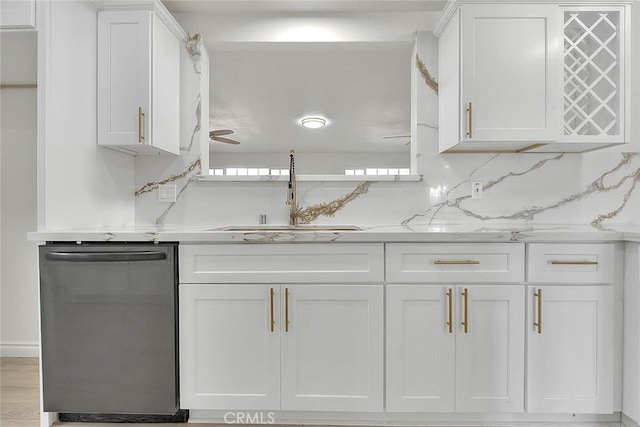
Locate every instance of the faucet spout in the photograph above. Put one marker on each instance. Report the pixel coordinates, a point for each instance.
(291, 193)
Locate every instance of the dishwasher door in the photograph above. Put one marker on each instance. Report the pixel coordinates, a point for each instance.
(108, 319)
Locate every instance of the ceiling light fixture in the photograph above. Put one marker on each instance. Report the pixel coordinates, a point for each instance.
(313, 122)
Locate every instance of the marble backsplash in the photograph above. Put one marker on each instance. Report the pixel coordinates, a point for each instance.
(597, 188)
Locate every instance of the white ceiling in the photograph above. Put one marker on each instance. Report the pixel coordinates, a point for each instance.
(273, 62)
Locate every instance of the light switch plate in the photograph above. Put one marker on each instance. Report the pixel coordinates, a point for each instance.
(476, 190)
(167, 193)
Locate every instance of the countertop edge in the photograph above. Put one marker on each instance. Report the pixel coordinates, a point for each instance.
(366, 236)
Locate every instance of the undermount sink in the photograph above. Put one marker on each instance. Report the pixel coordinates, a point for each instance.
(284, 227)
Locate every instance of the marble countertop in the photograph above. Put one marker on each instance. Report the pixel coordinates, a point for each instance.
(390, 233)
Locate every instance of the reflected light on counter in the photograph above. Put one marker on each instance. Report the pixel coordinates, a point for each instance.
(436, 193)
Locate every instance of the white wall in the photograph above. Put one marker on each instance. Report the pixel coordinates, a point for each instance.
(19, 263)
(80, 184)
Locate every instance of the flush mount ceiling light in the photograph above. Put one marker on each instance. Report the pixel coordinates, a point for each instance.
(313, 122)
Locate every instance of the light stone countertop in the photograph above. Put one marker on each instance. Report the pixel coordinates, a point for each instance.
(391, 233)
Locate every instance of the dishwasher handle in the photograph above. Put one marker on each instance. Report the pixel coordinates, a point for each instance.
(106, 256)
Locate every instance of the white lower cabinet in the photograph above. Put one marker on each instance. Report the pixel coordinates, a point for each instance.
(631, 365)
(455, 348)
(490, 351)
(570, 349)
(332, 349)
(289, 347)
(229, 354)
(311, 336)
(420, 349)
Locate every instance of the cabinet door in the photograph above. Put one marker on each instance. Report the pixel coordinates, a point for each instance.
(16, 14)
(165, 122)
(332, 348)
(420, 349)
(229, 351)
(490, 349)
(124, 77)
(510, 73)
(631, 362)
(594, 74)
(570, 358)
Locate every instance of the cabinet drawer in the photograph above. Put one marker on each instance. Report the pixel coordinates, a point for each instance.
(297, 263)
(570, 263)
(459, 262)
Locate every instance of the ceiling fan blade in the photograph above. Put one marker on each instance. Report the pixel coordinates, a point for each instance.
(220, 132)
(396, 136)
(225, 140)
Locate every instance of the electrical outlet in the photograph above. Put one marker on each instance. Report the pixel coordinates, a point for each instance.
(476, 190)
(167, 193)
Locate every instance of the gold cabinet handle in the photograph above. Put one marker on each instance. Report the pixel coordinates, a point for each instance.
(469, 120)
(273, 320)
(538, 324)
(465, 322)
(456, 262)
(450, 302)
(556, 262)
(140, 125)
(286, 309)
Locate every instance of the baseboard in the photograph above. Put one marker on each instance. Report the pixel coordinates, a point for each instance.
(628, 422)
(19, 349)
(404, 419)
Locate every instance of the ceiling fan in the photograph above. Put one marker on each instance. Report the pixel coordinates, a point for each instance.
(216, 135)
(399, 136)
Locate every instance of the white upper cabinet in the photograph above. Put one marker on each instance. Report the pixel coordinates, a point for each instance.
(594, 70)
(509, 83)
(531, 77)
(139, 81)
(17, 14)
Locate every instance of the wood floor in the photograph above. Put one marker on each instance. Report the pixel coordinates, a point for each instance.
(19, 392)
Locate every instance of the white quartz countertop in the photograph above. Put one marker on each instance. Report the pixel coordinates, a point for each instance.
(392, 233)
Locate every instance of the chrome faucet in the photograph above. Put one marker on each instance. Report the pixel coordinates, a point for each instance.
(291, 194)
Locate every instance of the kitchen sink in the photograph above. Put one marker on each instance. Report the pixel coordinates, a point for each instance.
(284, 227)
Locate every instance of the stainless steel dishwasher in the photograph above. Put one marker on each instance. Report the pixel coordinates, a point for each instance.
(108, 314)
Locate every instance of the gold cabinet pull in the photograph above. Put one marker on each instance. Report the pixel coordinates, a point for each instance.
(140, 125)
(469, 120)
(538, 324)
(450, 302)
(557, 262)
(465, 322)
(456, 262)
(273, 320)
(286, 309)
